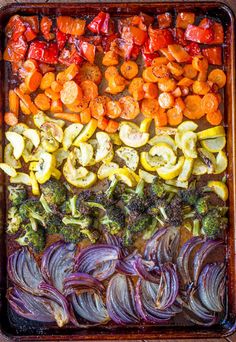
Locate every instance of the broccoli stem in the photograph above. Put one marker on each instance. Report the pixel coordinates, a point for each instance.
(196, 227)
(45, 204)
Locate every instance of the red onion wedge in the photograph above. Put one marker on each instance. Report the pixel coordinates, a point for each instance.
(147, 270)
(90, 307)
(184, 256)
(126, 264)
(29, 306)
(120, 300)
(211, 286)
(82, 282)
(201, 255)
(24, 272)
(57, 263)
(98, 261)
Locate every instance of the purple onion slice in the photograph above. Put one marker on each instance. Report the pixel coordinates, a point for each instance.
(126, 264)
(211, 286)
(24, 272)
(98, 261)
(147, 270)
(57, 263)
(120, 300)
(82, 282)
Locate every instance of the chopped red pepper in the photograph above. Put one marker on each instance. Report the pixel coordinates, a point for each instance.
(15, 50)
(159, 38)
(69, 25)
(213, 55)
(101, 24)
(71, 56)
(43, 52)
(148, 58)
(61, 39)
(179, 37)
(184, 19)
(164, 20)
(193, 49)
(32, 21)
(122, 47)
(135, 51)
(15, 27)
(134, 34)
(199, 34)
(29, 34)
(217, 30)
(87, 51)
(45, 27)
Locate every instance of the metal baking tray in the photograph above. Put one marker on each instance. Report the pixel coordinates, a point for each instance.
(19, 329)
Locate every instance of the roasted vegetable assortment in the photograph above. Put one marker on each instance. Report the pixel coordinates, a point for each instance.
(116, 164)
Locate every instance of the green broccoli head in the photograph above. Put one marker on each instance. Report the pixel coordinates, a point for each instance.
(202, 205)
(135, 200)
(140, 223)
(54, 192)
(33, 211)
(13, 220)
(157, 188)
(75, 229)
(17, 194)
(71, 233)
(34, 239)
(189, 196)
(53, 223)
(213, 223)
(114, 219)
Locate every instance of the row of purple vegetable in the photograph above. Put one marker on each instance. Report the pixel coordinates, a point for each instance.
(104, 282)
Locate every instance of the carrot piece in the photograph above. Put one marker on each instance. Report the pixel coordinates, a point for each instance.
(85, 116)
(56, 106)
(167, 85)
(174, 117)
(150, 90)
(89, 72)
(110, 58)
(42, 102)
(179, 104)
(139, 94)
(184, 90)
(136, 83)
(161, 72)
(218, 77)
(166, 100)
(175, 68)
(167, 54)
(33, 80)
(14, 102)
(61, 78)
(23, 88)
(187, 82)
(25, 110)
(69, 25)
(149, 107)
(189, 71)
(177, 92)
(98, 106)
(159, 61)
(110, 72)
(116, 84)
(161, 118)
(129, 69)
(202, 75)
(56, 86)
(102, 123)
(30, 65)
(89, 89)
(77, 108)
(47, 80)
(71, 71)
(148, 75)
(193, 109)
(200, 63)
(209, 103)
(219, 98)
(11, 119)
(130, 107)
(112, 126)
(52, 94)
(26, 100)
(200, 88)
(179, 53)
(214, 118)
(71, 117)
(71, 93)
(114, 109)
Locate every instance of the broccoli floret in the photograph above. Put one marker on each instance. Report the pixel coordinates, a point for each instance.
(13, 220)
(17, 194)
(139, 224)
(32, 210)
(83, 221)
(74, 229)
(134, 200)
(202, 205)
(213, 223)
(65, 208)
(114, 219)
(151, 229)
(189, 196)
(54, 192)
(71, 233)
(34, 239)
(174, 212)
(52, 223)
(157, 188)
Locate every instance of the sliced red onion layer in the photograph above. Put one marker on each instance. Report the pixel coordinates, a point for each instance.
(147, 270)
(183, 258)
(211, 286)
(163, 246)
(82, 282)
(120, 300)
(57, 263)
(146, 295)
(98, 260)
(24, 272)
(57, 303)
(199, 314)
(90, 307)
(29, 306)
(201, 255)
(126, 264)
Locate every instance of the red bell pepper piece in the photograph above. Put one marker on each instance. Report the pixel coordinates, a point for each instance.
(101, 24)
(193, 49)
(15, 50)
(29, 34)
(178, 34)
(45, 27)
(15, 28)
(217, 29)
(164, 20)
(61, 39)
(159, 38)
(122, 47)
(69, 57)
(135, 51)
(87, 51)
(213, 55)
(134, 34)
(43, 52)
(199, 34)
(32, 21)
(148, 57)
